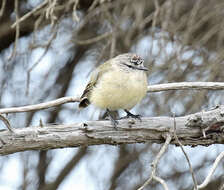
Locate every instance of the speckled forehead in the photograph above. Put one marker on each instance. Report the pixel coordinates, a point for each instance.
(137, 58)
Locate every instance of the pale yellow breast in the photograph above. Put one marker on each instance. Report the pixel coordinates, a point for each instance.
(119, 90)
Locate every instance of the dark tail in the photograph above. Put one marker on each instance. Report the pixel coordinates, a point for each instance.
(84, 103)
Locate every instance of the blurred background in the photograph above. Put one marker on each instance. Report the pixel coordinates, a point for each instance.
(51, 53)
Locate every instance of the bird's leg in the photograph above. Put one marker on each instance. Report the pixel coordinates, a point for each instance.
(129, 114)
(113, 121)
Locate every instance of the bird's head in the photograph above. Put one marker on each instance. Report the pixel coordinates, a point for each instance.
(132, 61)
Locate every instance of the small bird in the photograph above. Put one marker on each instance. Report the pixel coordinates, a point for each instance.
(119, 83)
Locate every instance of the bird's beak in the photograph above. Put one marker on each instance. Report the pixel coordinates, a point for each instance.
(143, 68)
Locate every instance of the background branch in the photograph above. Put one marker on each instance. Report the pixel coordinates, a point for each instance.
(61, 41)
(185, 154)
(186, 86)
(155, 163)
(40, 106)
(212, 170)
(151, 88)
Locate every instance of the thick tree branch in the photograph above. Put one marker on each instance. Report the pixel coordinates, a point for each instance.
(151, 88)
(152, 129)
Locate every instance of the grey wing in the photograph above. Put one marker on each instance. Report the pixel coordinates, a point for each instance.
(95, 75)
(84, 102)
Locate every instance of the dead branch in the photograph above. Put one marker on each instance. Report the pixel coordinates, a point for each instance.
(150, 130)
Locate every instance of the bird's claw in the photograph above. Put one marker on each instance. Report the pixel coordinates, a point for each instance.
(129, 114)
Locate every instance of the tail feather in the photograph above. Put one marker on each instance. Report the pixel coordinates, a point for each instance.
(84, 102)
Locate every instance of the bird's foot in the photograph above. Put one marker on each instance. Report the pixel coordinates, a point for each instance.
(129, 114)
(114, 123)
(112, 120)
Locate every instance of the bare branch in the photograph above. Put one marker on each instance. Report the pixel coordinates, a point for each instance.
(156, 13)
(50, 11)
(186, 86)
(48, 44)
(74, 14)
(185, 154)
(40, 106)
(151, 88)
(149, 130)
(29, 13)
(113, 45)
(160, 180)
(93, 5)
(2, 8)
(155, 163)
(6, 122)
(67, 169)
(208, 178)
(16, 9)
(93, 40)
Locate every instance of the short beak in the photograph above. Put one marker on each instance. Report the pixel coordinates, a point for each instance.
(143, 68)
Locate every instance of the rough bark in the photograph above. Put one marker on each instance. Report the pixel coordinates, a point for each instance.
(202, 128)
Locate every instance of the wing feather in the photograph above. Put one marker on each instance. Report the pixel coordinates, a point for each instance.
(95, 76)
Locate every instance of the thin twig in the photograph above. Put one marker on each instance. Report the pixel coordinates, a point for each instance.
(74, 13)
(168, 8)
(185, 154)
(160, 180)
(113, 45)
(16, 9)
(39, 60)
(6, 122)
(2, 8)
(212, 170)
(41, 106)
(93, 5)
(36, 25)
(156, 13)
(24, 17)
(50, 11)
(93, 40)
(156, 161)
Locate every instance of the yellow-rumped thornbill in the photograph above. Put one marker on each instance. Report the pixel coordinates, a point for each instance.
(119, 83)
